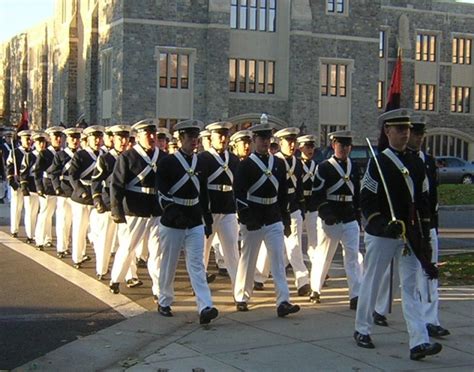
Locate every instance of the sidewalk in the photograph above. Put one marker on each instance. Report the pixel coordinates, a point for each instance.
(319, 338)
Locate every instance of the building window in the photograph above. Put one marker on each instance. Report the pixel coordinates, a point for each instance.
(461, 99)
(253, 15)
(446, 145)
(333, 80)
(174, 70)
(168, 123)
(106, 70)
(462, 51)
(380, 93)
(425, 97)
(336, 6)
(325, 130)
(251, 76)
(381, 44)
(426, 47)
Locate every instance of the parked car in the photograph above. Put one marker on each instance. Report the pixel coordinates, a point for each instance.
(359, 155)
(454, 170)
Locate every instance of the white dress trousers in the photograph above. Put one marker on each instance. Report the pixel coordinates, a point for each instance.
(382, 305)
(272, 235)
(172, 241)
(80, 224)
(130, 234)
(44, 224)
(226, 227)
(63, 223)
(379, 253)
(310, 225)
(104, 241)
(31, 204)
(429, 288)
(294, 254)
(329, 237)
(16, 206)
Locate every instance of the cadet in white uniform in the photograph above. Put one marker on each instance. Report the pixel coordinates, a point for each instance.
(183, 196)
(261, 192)
(336, 194)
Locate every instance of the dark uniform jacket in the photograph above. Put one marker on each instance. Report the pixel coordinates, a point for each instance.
(255, 215)
(82, 167)
(17, 164)
(415, 214)
(27, 179)
(337, 204)
(294, 179)
(170, 172)
(59, 171)
(43, 178)
(221, 194)
(129, 195)
(102, 176)
(432, 175)
(309, 171)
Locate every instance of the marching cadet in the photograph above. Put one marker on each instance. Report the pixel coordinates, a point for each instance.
(183, 196)
(293, 235)
(108, 140)
(242, 143)
(307, 145)
(16, 162)
(28, 186)
(394, 201)
(220, 166)
(163, 136)
(80, 171)
(336, 194)
(100, 187)
(261, 193)
(60, 178)
(428, 288)
(6, 147)
(134, 206)
(45, 189)
(204, 140)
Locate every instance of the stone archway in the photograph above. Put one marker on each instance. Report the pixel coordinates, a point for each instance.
(449, 142)
(245, 121)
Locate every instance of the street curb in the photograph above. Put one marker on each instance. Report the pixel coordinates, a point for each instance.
(453, 208)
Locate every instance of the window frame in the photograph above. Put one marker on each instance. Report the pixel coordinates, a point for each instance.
(461, 49)
(253, 15)
(175, 77)
(331, 82)
(337, 7)
(426, 48)
(460, 100)
(422, 97)
(263, 82)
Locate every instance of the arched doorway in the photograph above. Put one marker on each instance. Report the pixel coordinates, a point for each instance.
(245, 121)
(447, 142)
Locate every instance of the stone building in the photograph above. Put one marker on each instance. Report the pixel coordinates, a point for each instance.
(318, 65)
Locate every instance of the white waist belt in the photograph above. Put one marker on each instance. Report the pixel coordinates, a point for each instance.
(143, 190)
(224, 188)
(86, 182)
(186, 202)
(308, 192)
(264, 201)
(291, 190)
(341, 198)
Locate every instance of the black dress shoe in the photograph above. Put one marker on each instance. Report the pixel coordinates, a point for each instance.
(29, 240)
(257, 286)
(114, 288)
(40, 248)
(134, 282)
(100, 276)
(48, 245)
(67, 252)
(207, 315)
(363, 340)
(379, 319)
(77, 265)
(210, 278)
(165, 311)
(420, 351)
(315, 297)
(436, 331)
(285, 308)
(14, 235)
(353, 303)
(304, 290)
(61, 254)
(223, 272)
(241, 306)
(141, 263)
(86, 258)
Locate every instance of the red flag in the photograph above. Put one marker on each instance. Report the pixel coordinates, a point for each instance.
(395, 90)
(23, 124)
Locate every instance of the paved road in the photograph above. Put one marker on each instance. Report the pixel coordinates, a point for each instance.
(40, 311)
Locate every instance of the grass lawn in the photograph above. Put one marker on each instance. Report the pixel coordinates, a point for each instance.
(457, 269)
(456, 194)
